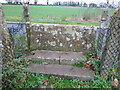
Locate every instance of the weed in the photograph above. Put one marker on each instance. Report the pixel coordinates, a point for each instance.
(17, 76)
(87, 55)
(86, 16)
(20, 44)
(80, 63)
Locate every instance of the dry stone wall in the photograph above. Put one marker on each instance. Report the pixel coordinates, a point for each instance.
(62, 37)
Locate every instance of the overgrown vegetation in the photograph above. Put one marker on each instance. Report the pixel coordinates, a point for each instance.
(20, 45)
(92, 62)
(80, 63)
(16, 75)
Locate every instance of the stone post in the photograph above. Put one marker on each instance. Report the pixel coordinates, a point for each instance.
(102, 30)
(104, 19)
(6, 50)
(26, 14)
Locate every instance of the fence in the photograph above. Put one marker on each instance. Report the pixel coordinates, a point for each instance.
(109, 47)
(108, 40)
(102, 33)
(6, 49)
(18, 37)
(18, 34)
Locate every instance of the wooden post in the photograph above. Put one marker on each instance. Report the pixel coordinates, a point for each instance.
(26, 14)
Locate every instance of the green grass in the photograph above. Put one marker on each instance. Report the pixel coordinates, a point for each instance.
(53, 14)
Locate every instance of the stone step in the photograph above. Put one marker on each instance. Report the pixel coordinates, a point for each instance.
(66, 71)
(57, 56)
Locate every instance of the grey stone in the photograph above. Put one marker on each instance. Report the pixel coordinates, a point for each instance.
(66, 71)
(62, 37)
(57, 56)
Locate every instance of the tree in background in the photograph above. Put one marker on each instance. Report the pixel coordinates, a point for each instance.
(9, 1)
(81, 4)
(17, 1)
(85, 4)
(35, 2)
(47, 2)
(57, 3)
(78, 3)
(14, 1)
(103, 5)
(107, 3)
(92, 5)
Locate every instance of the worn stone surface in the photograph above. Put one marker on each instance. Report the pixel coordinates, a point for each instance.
(57, 56)
(62, 37)
(67, 71)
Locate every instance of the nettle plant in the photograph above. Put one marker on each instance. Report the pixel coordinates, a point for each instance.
(15, 74)
(80, 63)
(92, 63)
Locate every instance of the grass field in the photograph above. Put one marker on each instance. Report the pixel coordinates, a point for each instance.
(55, 14)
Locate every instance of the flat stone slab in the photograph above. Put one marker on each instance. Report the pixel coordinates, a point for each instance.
(57, 56)
(66, 71)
